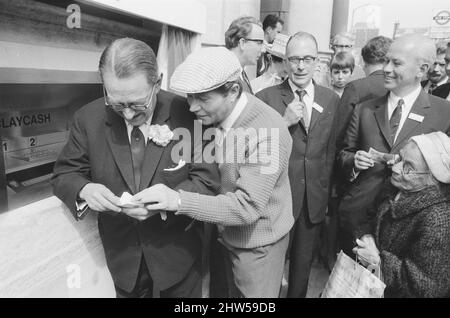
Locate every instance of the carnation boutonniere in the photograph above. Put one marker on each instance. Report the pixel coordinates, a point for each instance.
(160, 135)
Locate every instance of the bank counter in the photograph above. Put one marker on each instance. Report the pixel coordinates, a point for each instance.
(46, 253)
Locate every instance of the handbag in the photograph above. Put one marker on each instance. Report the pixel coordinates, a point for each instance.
(349, 279)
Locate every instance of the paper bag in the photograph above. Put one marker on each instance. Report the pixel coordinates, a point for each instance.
(352, 280)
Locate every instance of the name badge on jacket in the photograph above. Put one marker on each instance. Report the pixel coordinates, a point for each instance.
(318, 107)
(416, 117)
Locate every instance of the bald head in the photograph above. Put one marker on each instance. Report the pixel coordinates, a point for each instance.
(301, 37)
(419, 46)
(408, 60)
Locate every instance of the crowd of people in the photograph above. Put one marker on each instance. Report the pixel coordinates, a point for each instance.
(354, 157)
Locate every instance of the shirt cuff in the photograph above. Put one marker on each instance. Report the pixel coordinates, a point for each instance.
(354, 175)
(82, 208)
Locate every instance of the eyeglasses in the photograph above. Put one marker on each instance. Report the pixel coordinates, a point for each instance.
(338, 46)
(257, 41)
(135, 107)
(295, 60)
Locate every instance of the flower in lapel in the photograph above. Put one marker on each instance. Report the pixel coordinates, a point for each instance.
(160, 135)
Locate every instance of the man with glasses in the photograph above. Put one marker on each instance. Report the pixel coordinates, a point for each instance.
(309, 111)
(245, 38)
(111, 151)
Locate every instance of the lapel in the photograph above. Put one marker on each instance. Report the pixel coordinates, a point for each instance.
(247, 82)
(117, 138)
(153, 152)
(287, 96)
(381, 116)
(320, 98)
(420, 107)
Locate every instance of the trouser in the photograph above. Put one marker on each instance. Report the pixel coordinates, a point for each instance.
(304, 235)
(256, 272)
(188, 287)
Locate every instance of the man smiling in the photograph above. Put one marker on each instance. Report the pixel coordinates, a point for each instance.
(385, 124)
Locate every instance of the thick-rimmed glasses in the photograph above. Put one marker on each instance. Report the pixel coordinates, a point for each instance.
(338, 46)
(295, 60)
(257, 41)
(135, 107)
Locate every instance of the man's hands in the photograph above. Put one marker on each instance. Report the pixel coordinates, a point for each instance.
(99, 198)
(363, 160)
(293, 113)
(140, 214)
(367, 251)
(158, 197)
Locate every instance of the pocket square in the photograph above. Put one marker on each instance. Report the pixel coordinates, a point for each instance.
(180, 165)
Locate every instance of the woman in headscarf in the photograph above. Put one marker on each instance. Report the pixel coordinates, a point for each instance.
(411, 237)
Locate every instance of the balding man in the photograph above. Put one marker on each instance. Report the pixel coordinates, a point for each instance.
(385, 124)
(245, 38)
(309, 111)
(111, 151)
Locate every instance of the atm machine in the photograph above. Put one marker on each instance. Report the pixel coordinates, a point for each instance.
(36, 107)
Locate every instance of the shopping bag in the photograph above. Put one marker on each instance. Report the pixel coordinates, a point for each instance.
(352, 280)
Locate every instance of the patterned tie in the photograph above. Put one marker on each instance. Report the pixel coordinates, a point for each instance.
(137, 154)
(394, 122)
(305, 116)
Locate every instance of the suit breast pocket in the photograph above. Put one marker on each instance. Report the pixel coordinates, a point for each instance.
(175, 177)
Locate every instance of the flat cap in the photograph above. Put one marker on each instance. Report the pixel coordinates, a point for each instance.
(206, 69)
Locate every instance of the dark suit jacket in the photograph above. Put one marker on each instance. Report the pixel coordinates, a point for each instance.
(369, 127)
(313, 154)
(355, 93)
(98, 151)
(442, 91)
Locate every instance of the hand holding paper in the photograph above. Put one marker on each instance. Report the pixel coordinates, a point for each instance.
(158, 197)
(135, 209)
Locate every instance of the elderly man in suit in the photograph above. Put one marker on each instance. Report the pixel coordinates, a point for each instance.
(309, 111)
(245, 38)
(254, 209)
(385, 124)
(437, 75)
(112, 150)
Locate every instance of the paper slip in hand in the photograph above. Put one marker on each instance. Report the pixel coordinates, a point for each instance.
(416, 117)
(180, 165)
(318, 107)
(126, 201)
(381, 157)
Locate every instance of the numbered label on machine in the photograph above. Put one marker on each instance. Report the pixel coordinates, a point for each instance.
(26, 152)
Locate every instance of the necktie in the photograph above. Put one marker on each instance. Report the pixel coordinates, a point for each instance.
(305, 116)
(394, 122)
(137, 154)
(432, 87)
(247, 81)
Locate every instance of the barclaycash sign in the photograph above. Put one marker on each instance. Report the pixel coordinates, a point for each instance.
(25, 120)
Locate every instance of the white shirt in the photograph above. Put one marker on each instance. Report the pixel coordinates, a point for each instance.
(144, 128)
(409, 102)
(308, 99)
(228, 122)
(443, 81)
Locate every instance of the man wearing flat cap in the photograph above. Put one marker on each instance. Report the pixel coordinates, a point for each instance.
(254, 209)
(384, 125)
(112, 149)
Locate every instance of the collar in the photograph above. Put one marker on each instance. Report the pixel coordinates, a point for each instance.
(309, 88)
(228, 122)
(144, 128)
(409, 99)
(443, 81)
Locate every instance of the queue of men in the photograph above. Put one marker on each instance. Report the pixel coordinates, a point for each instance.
(266, 194)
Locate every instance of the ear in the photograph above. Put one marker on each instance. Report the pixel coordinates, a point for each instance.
(424, 68)
(241, 43)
